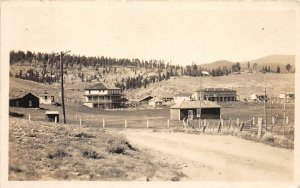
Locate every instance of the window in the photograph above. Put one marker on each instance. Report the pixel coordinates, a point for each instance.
(17, 103)
(30, 103)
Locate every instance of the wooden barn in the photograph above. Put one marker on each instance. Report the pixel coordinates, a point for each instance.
(189, 109)
(25, 100)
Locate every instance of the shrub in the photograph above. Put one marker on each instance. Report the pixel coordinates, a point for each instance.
(60, 153)
(83, 135)
(118, 144)
(116, 148)
(268, 137)
(91, 154)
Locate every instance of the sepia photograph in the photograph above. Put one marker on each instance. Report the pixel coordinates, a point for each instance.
(157, 91)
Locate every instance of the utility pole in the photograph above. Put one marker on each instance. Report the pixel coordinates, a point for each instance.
(76, 107)
(200, 98)
(265, 110)
(62, 85)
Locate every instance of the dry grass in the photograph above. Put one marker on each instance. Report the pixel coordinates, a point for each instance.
(44, 151)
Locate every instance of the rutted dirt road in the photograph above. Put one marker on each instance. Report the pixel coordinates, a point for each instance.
(213, 157)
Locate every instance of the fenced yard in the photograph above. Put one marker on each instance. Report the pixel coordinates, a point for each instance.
(236, 116)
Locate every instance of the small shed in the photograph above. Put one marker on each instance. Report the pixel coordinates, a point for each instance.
(25, 100)
(189, 109)
(145, 100)
(155, 102)
(51, 115)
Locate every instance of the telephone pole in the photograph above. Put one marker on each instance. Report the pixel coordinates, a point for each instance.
(62, 85)
(265, 110)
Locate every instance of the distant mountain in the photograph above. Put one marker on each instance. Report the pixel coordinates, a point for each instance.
(273, 61)
(217, 64)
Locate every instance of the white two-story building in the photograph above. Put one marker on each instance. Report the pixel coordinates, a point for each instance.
(102, 97)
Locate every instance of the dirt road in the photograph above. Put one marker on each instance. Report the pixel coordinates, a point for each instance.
(218, 158)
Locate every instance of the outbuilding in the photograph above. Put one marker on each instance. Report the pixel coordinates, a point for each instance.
(47, 98)
(155, 102)
(25, 100)
(191, 110)
(51, 116)
(145, 100)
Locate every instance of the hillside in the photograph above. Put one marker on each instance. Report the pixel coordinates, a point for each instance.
(245, 84)
(217, 64)
(275, 60)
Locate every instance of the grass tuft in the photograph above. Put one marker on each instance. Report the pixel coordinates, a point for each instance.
(60, 153)
(91, 154)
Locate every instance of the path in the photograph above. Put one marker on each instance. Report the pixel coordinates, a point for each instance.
(213, 157)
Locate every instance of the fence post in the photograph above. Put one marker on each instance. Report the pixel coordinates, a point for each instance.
(147, 123)
(125, 123)
(253, 121)
(238, 122)
(290, 128)
(204, 125)
(168, 123)
(55, 120)
(220, 126)
(259, 128)
(199, 124)
(229, 124)
(29, 118)
(273, 120)
(103, 123)
(287, 120)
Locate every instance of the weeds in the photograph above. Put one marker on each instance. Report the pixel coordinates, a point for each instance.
(91, 154)
(60, 153)
(118, 144)
(83, 135)
(268, 137)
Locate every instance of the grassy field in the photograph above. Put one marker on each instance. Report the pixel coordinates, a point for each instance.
(43, 151)
(157, 118)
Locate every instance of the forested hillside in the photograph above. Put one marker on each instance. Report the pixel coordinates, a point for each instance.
(120, 72)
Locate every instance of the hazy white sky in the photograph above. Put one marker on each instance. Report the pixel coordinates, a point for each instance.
(180, 32)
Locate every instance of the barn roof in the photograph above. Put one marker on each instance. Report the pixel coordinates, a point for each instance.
(195, 104)
(216, 89)
(145, 98)
(20, 94)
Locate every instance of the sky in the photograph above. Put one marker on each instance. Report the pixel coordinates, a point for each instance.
(182, 33)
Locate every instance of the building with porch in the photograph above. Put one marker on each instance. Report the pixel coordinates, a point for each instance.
(215, 94)
(102, 97)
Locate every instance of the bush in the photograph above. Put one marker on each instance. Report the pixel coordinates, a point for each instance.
(118, 144)
(83, 135)
(116, 148)
(60, 153)
(91, 154)
(268, 137)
